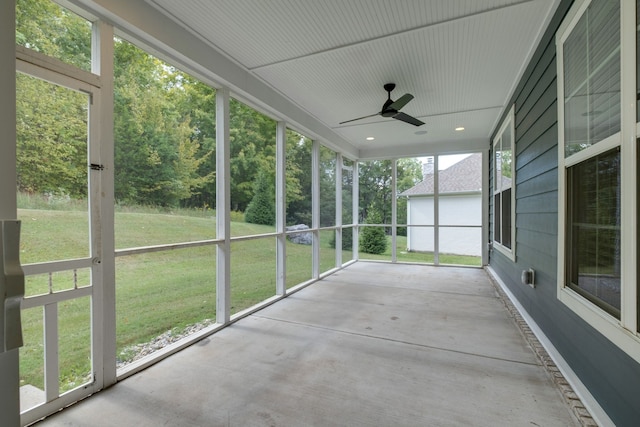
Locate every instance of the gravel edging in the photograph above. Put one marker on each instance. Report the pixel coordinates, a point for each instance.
(138, 351)
(570, 397)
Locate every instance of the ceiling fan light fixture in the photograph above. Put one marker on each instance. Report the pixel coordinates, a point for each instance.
(391, 108)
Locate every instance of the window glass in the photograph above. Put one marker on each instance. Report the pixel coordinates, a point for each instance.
(375, 180)
(347, 210)
(299, 215)
(497, 186)
(161, 297)
(164, 131)
(253, 272)
(327, 187)
(506, 163)
(592, 77)
(414, 208)
(51, 150)
(32, 358)
(327, 250)
(593, 229)
(299, 258)
(45, 27)
(460, 209)
(298, 179)
(503, 172)
(375, 191)
(253, 170)
(347, 244)
(347, 192)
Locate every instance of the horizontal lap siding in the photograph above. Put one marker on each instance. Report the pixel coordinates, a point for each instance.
(611, 376)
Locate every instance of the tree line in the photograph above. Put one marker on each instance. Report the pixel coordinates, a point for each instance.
(165, 136)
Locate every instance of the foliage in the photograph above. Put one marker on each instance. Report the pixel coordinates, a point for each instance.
(158, 159)
(164, 130)
(373, 240)
(261, 208)
(298, 178)
(178, 286)
(347, 239)
(45, 27)
(375, 179)
(327, 187)
(51, 128)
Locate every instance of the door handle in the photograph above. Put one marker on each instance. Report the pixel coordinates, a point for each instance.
(11, 286)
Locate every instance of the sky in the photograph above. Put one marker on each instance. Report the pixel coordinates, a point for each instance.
(445, 161)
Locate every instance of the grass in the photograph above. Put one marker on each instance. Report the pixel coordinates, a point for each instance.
(155, 292)
(420, 257)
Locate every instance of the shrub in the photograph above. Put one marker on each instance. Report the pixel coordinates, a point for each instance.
(373, 240)
(260, 209)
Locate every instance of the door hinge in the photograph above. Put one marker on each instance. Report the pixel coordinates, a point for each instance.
(96, 167)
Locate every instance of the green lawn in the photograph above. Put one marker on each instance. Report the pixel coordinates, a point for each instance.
(155, 292)
(160, 291)
(421, 257)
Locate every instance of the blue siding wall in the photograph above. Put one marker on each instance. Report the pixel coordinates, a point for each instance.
(612, 377)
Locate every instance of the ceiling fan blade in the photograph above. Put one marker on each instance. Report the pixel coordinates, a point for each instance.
(408, 119)
(400, 102)
(359, 118)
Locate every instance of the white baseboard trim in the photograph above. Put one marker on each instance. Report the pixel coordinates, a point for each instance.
(589, 402)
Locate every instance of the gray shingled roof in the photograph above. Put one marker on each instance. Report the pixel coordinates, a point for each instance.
(464, 176)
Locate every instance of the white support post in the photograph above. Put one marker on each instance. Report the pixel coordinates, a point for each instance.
(101, 194)
(315, 207)
(629, 156)
(9, 366)
(436, 212)
(394, 210)
(223, 208)
(338, 235)
(356, 210)
(281, 238)
(485, 207)
(51, 366)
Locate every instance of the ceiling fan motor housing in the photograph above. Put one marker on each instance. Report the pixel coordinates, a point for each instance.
(386, 112)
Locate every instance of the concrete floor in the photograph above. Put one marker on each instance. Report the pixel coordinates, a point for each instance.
(372, 345)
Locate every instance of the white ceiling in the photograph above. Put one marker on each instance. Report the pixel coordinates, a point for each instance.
(461, 59)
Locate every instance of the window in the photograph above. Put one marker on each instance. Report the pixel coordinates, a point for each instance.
(504, 232)
(597, 163)
(593, 230)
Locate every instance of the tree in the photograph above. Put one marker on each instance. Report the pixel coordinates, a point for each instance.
(51, 131)
(158, 157)
(45, 27)
(373, 240)
(298, 166)
(51, 121)
(409, 173)
(327, 187)
(261, 208)
(375, 185)
(347, 239)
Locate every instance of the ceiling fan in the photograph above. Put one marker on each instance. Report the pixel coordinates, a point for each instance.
(392, 108)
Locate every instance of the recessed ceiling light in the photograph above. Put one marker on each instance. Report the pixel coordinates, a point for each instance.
(370, 138)
(459, 128)
(421, 132)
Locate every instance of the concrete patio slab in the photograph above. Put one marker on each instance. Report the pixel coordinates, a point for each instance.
(373, 345)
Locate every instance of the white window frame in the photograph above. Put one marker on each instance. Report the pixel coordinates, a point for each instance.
(508, 123)
(622, 332)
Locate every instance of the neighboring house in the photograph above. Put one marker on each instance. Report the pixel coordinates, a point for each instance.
(459, 207)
